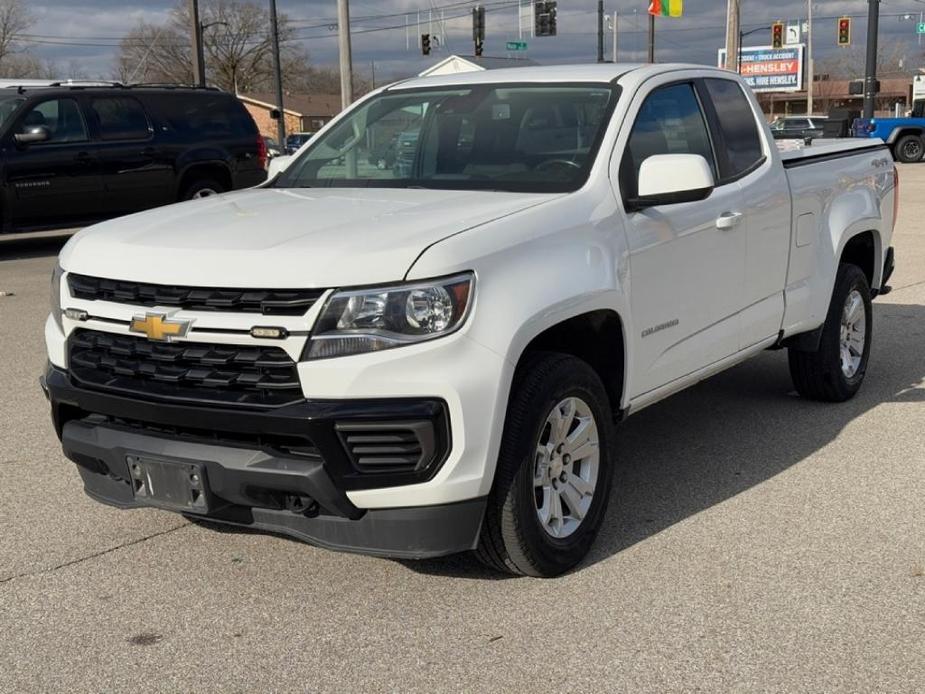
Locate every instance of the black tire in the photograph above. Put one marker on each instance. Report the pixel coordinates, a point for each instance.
(909, 149)
(818, 375)
(513, 539)
(202, 185)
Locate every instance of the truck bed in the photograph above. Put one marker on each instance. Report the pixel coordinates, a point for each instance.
(796, 152)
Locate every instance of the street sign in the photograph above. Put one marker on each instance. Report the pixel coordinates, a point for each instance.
(517, 45)
(792, 35)
(920, 28)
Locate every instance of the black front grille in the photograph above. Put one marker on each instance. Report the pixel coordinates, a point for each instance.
(280, 302)
(207, 373)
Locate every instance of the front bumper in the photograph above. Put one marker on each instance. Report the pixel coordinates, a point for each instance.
(254, 478)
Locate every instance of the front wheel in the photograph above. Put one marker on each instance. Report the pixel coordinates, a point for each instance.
(554, 471)
(909, 149)
(835, 371)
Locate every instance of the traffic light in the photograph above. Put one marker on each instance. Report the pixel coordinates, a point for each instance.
(777, 35)
(478, 28)
(844, 31)
(425, 44)
(544, 13)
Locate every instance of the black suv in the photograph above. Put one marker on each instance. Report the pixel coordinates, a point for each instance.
(76, 154)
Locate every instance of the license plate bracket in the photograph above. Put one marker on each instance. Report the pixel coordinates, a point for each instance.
(169, 484)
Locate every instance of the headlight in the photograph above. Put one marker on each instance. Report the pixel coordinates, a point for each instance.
(368, 320)
(56, 275)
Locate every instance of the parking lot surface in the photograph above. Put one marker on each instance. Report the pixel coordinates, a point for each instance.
(755, 542)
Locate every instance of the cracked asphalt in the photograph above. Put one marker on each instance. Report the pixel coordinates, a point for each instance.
(755, 542)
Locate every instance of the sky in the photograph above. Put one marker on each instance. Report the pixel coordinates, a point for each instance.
(86, 32)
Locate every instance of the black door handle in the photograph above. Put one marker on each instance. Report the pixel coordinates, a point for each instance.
(148, 152)
(82, 158)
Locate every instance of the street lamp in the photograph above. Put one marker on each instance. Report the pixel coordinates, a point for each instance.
(200, 58)
(742, 35)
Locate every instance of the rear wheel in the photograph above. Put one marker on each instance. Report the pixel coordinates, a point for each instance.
(835, 371)
(202, 188)
(909, 149)
(554, 471)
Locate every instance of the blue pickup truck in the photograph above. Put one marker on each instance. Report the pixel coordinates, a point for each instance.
(905, 136)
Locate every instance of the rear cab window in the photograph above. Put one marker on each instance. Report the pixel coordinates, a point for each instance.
(740, 149)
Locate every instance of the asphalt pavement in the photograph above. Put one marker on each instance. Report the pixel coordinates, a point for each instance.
(755, 542)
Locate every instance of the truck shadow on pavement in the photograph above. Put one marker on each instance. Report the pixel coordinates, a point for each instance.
(730, 433)
(16, 247)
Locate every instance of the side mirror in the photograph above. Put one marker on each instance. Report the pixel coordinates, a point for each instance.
(32, 135)
(275, 114)
(278, 164)
(670, 179)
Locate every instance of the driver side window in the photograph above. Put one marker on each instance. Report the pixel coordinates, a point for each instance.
(670, 121)
(61, 117)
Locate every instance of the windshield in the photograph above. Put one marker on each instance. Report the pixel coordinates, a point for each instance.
(8, 106)
(529, 138)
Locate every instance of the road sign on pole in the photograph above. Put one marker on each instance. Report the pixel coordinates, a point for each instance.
(517, 45)
(920, 28)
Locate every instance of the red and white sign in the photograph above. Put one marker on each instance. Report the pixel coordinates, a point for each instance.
(768, 69)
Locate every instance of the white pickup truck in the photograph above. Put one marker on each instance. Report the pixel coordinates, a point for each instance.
(417, 338)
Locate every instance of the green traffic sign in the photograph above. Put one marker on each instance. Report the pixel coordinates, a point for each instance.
(920, 28)
(521, 45)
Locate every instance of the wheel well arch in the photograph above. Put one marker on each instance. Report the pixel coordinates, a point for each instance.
(596, 337)
(215, 170)
(861, 250)
(902, 132)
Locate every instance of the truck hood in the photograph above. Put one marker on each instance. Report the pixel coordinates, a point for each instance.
(285, 238)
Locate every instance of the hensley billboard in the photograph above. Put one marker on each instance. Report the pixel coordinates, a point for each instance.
(768, 69)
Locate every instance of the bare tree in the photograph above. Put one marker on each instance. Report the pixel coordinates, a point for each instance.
(15, 19)
(151, 53)
(236, 43)
(848, 63)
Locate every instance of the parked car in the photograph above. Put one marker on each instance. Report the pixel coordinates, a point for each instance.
(296, 140)
(434, 361)
(272, 145)
(75, 154)
(406, 146)
(904, 136)
(797, 127)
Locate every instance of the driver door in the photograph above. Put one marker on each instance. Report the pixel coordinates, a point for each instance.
(58, 181)
(686, 260)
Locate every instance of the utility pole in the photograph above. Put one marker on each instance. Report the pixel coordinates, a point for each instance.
(600, 31)
(651, 38)
(346, 56)
(199, 63)
(278, 71)
(870, 70)
(810, 73)
(615, 14)
(733, 42)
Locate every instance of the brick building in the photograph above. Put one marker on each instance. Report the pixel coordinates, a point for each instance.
(303, 112)
(830, 94)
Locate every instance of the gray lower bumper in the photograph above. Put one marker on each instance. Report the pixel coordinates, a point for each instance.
(238, 478)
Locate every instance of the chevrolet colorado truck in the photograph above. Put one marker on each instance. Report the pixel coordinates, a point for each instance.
(421, 360)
